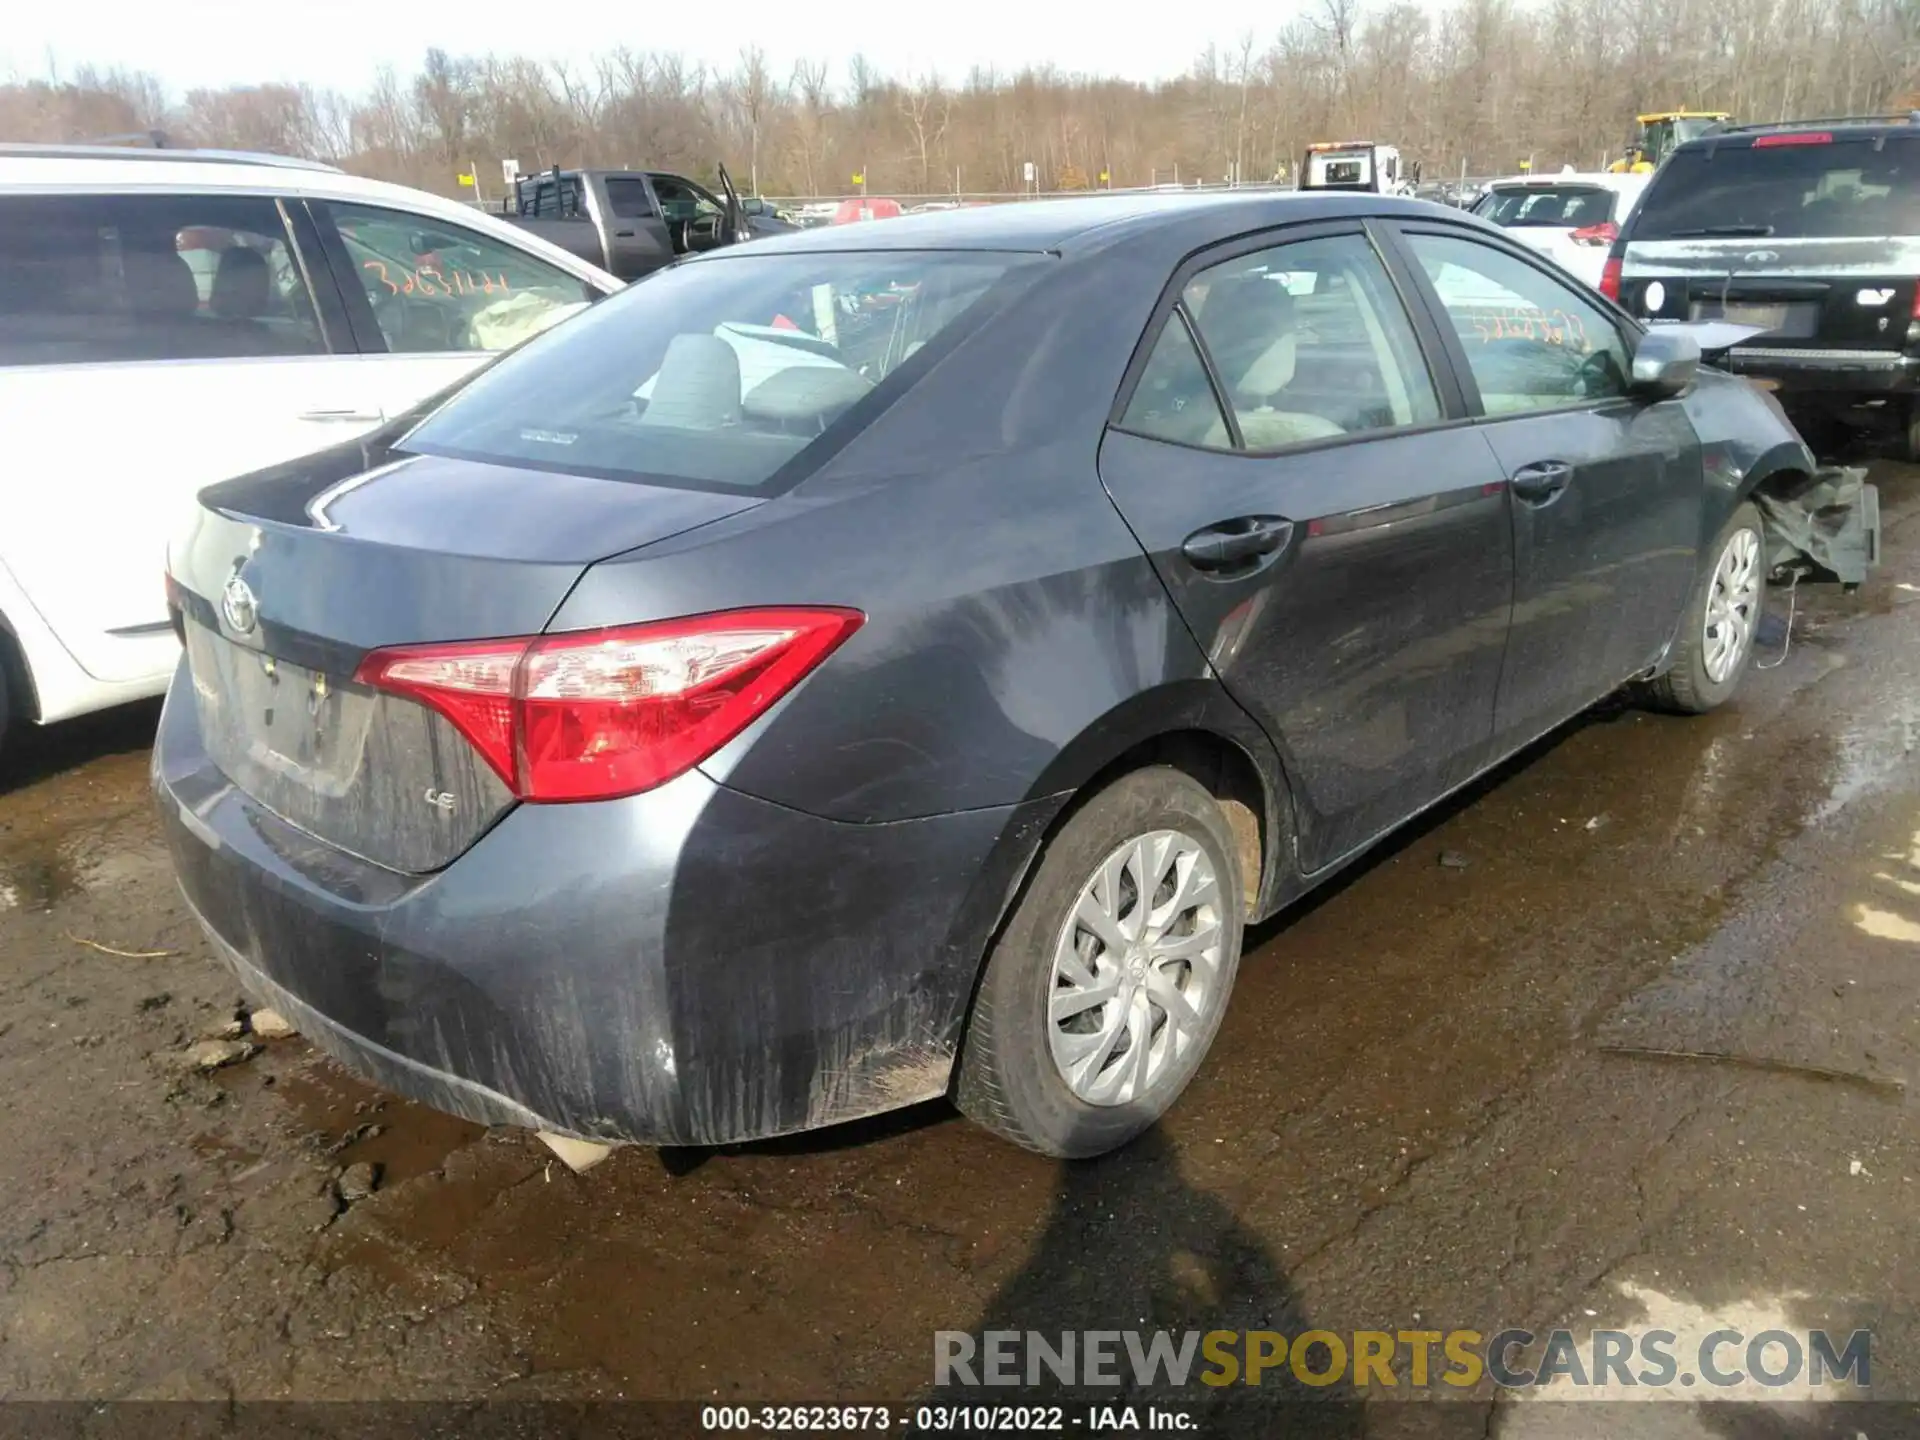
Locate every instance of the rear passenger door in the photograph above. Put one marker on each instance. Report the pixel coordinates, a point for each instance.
(637, 238)
(1336, 541)
(150, 345)
(1607, 487)
(430, 299)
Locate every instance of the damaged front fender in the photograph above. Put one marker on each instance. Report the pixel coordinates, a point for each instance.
(1822, 521)
(1825, 525)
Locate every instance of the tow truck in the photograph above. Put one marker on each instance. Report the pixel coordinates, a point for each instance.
(1356, 165)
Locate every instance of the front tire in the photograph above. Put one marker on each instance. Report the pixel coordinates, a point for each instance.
(1109, 981)
(1715, 644)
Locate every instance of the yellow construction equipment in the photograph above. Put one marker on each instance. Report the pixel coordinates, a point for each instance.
(1660, 132)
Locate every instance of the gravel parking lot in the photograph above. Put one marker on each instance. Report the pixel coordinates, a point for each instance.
(1622, 1037)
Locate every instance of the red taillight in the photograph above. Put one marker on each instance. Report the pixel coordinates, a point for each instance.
(603, 713)
(1610, 278)
(1804, 137)
(1605, 233)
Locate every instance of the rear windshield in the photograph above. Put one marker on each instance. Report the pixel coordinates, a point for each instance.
(1792, 191)
(718, 373)
(1564, 206)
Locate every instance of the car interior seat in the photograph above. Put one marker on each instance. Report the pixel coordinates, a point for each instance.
(242, 297)
(51, 301)
(698, 387)
(163, 302)
(1248, 323)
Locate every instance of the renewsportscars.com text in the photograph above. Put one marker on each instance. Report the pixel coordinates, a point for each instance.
(1513, 1359)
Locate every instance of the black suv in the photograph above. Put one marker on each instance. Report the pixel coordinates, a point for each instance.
(1809, 230)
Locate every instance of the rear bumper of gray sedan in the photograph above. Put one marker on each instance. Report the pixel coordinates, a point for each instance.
(687, 966)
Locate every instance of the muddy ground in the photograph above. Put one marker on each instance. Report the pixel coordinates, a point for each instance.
(1440, 1099)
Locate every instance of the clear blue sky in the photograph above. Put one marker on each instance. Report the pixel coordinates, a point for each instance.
(340, 42)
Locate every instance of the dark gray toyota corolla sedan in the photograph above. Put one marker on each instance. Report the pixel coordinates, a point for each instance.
(896, 661)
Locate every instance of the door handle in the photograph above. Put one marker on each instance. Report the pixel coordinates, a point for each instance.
(623, 234)
(1233, 543)
(344, 417)
(1537, 484)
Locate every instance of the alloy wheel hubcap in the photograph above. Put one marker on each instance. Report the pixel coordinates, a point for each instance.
(1732, 605)
(1136, 971)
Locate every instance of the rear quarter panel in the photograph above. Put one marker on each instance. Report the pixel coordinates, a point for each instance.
(1016, 633)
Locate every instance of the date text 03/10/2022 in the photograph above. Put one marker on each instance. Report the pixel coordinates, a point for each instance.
(947, 1419)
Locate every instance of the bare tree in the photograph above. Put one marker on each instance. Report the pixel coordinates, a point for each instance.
(751, 94)
(442, 98)
(811, 127)
(1476, 83)
(926, 109)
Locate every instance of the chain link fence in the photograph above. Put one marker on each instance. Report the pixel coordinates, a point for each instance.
(820, 209)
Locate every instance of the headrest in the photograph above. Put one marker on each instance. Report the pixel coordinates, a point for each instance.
(698, 387)
(160, 285)
(242, 284)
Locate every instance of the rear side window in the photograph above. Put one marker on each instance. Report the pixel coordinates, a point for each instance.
(1786, 191)
(1174, 399)
(1308, 340)
(552, 200)
(1560, 206)
(628, 199)
(88, 278)
(717, 373)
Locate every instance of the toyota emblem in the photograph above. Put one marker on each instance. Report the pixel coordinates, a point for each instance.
(237, 605)
(1761, 257)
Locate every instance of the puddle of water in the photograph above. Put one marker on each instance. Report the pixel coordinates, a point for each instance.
(222, 1152)
(38, 881)
(1407, 1003)
(41, 872)
(1692, 1324)
(1869, 754)
(325, 1101)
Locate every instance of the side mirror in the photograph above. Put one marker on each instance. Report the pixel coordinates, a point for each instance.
(753, 205)
(1664, 362)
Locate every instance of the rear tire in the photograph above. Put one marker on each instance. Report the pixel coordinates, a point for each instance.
(1051, 1065)
(1715, 644)
(1910, 434)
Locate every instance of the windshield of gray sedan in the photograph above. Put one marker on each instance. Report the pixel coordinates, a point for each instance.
(716, 373)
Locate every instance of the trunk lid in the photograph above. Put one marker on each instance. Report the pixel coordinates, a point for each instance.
(1583, 262)
(286, 580)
